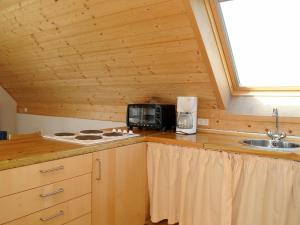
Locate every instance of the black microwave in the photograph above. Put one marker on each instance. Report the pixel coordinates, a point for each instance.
(151, 116)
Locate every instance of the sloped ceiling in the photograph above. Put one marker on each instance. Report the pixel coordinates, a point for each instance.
(90, 58)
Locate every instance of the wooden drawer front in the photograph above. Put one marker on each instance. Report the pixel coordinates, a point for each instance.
(59, 214)
(84, 220)
(24, 203)
(28, 177)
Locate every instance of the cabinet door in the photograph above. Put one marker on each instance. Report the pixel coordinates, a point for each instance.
(119, 195)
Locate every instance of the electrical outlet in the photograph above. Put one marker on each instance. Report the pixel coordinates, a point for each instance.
(203, 122)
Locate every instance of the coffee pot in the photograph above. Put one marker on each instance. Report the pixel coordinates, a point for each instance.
(186, 115)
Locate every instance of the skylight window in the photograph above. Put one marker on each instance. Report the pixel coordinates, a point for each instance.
(263, 41)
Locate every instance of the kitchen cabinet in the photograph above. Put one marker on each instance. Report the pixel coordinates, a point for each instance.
(29, 201)
(27, 177)
(64, 213)
(119, 186)
(55, 192)
(84, 220)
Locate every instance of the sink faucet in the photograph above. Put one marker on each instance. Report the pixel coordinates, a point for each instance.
(276, 136)
(276, 115)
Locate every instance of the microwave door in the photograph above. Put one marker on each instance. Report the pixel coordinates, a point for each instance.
(149, 115)
(135, 115)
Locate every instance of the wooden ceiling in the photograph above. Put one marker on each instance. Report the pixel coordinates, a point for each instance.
(90, 58)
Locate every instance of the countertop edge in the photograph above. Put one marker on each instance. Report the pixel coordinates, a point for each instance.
(49, 156)
(226, 148)
(81, 150)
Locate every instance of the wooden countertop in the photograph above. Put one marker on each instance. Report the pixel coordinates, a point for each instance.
(222, 142)
(23, 152)
(27, 151)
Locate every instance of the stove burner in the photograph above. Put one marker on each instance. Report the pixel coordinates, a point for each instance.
(112, 134)
(88, 137)
(91, 132)
(64, 134)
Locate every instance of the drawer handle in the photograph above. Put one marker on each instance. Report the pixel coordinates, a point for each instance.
(45, 219)
(60, 190)
(99, 169)
(52, 169)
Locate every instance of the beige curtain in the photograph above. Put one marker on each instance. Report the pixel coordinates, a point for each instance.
(197, 186)
(267, 191)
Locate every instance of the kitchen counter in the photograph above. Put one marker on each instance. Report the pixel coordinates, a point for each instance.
(27, 151)
(23, 152)
(222, 141)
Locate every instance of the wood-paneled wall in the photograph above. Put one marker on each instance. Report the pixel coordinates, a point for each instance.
(90, 58)
(222, 120)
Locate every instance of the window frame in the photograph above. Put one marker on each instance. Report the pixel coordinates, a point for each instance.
(219, 29)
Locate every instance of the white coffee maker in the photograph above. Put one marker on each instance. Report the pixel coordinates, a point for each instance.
(186, 115)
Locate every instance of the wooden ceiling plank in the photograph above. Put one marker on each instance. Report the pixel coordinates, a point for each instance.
(93, 19)
(115, 53)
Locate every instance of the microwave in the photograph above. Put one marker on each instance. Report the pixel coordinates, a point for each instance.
(151, 116)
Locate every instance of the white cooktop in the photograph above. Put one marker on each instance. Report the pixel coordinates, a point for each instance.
(104, 139)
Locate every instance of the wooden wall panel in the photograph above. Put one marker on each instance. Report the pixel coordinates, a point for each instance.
(90, 58)
(222, 120)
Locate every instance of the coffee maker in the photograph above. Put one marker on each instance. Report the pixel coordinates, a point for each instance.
(186, 115)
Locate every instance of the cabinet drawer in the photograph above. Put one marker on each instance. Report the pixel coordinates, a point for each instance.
(84, 220)
(24, 203)
(28, 177)
(59, 214)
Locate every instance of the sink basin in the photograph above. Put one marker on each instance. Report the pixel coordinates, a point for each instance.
(271, 145)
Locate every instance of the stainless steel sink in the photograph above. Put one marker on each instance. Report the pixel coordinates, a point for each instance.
(271, 145)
